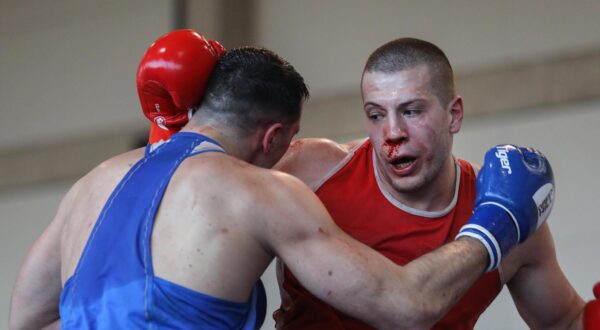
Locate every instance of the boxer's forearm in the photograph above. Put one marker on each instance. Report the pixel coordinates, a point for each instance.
(437, 280)
(362, 283)
(389, 296)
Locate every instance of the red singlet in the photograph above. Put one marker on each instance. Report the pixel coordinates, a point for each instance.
(359, 206)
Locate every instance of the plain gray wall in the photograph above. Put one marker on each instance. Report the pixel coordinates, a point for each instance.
(70, 66)
(68, 70)
(329, 41)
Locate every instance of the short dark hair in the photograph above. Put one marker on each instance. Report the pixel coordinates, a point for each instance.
(253, 86)
(406, 53)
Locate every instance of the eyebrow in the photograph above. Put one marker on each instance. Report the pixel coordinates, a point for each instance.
(400, 106)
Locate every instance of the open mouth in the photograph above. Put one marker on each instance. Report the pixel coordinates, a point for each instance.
(402, 162)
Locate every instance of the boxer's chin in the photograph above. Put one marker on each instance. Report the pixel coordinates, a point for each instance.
(407, 184)
(407, 176)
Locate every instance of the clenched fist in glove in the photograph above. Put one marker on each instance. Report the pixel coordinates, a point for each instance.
(171, 78)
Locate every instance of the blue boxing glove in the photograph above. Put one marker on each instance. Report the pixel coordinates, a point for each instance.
(515, 194)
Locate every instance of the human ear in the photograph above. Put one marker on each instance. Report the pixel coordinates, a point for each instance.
(271, 132)
(456, 113)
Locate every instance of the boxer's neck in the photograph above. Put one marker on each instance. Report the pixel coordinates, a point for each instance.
(435, 195)
(240, 148)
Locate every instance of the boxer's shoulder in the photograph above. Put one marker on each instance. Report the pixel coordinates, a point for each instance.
(102, 179)
(352, 145)
(239, 188)
(223, 174)
(83, 203)
(232, 173)
(310, 159)
(115, 166)
(215, 167)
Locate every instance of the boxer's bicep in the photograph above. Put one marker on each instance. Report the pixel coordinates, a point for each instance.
(342, 272)
(36, 294)
(541, 292)
(37, 289)
(334, 267)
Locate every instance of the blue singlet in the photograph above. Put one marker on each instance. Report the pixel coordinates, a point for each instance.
(114, 286)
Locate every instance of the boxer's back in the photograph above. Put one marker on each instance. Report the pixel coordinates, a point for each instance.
(202, 238)
(205, 228)
(84, 202)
